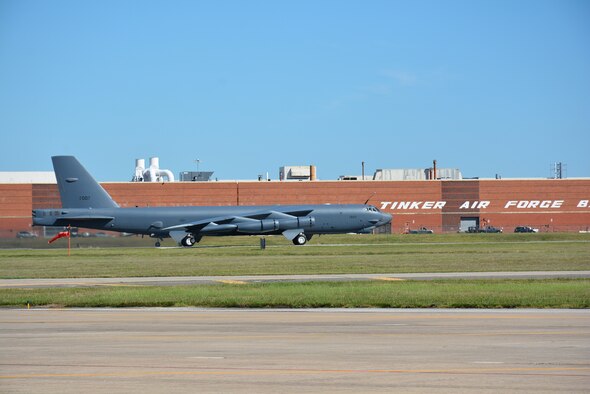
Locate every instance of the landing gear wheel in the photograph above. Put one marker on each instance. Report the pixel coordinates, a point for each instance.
(300, 239)
(188, 241)
(157, 244)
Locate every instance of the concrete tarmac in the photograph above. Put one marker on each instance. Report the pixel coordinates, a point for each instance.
(199, 280)
(269, 351)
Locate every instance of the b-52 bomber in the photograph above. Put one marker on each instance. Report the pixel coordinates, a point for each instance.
(86, 204)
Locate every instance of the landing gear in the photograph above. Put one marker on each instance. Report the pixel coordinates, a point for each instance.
(158, 244)
(188, 241)
(300, 239)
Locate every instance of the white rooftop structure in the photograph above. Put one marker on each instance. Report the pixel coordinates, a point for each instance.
(416, 174)
(28, 177)
(297, 173)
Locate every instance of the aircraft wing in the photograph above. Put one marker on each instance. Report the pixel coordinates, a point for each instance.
(81, 219)
(230, 223)
(279, 215)
(198, 225)
(88, 217)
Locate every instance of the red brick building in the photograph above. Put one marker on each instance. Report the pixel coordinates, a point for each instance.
(444, 206)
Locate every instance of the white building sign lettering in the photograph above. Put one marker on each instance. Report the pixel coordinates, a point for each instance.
(470, 205)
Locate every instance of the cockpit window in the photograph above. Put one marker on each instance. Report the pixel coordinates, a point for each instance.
(371, 208)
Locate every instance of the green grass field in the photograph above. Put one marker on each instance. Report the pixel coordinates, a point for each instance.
(411, 294)
(136, 257)
(323, 255)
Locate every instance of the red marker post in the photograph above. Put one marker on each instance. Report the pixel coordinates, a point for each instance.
(62, 234)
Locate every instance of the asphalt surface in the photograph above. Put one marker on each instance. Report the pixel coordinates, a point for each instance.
(198, 280)
(269, 351)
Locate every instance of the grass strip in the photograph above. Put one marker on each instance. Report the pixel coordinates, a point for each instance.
(279, 240)
(550, 293)
(456, 253)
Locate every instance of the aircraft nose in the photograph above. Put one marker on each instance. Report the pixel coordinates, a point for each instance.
(382, 219)
(385, 218)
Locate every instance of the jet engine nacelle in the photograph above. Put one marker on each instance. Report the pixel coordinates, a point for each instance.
(258, 226)
(299, 223)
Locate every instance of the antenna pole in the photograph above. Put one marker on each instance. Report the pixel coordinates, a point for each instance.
(371, 196)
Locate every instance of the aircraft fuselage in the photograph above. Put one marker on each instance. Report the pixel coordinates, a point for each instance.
(156, 221)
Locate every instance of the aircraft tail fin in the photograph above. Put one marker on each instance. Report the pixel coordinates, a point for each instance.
(77, 188)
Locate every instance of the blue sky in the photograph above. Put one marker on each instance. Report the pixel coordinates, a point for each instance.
(490, 87)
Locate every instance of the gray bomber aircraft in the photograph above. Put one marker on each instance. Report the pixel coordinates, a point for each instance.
(86, 204)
